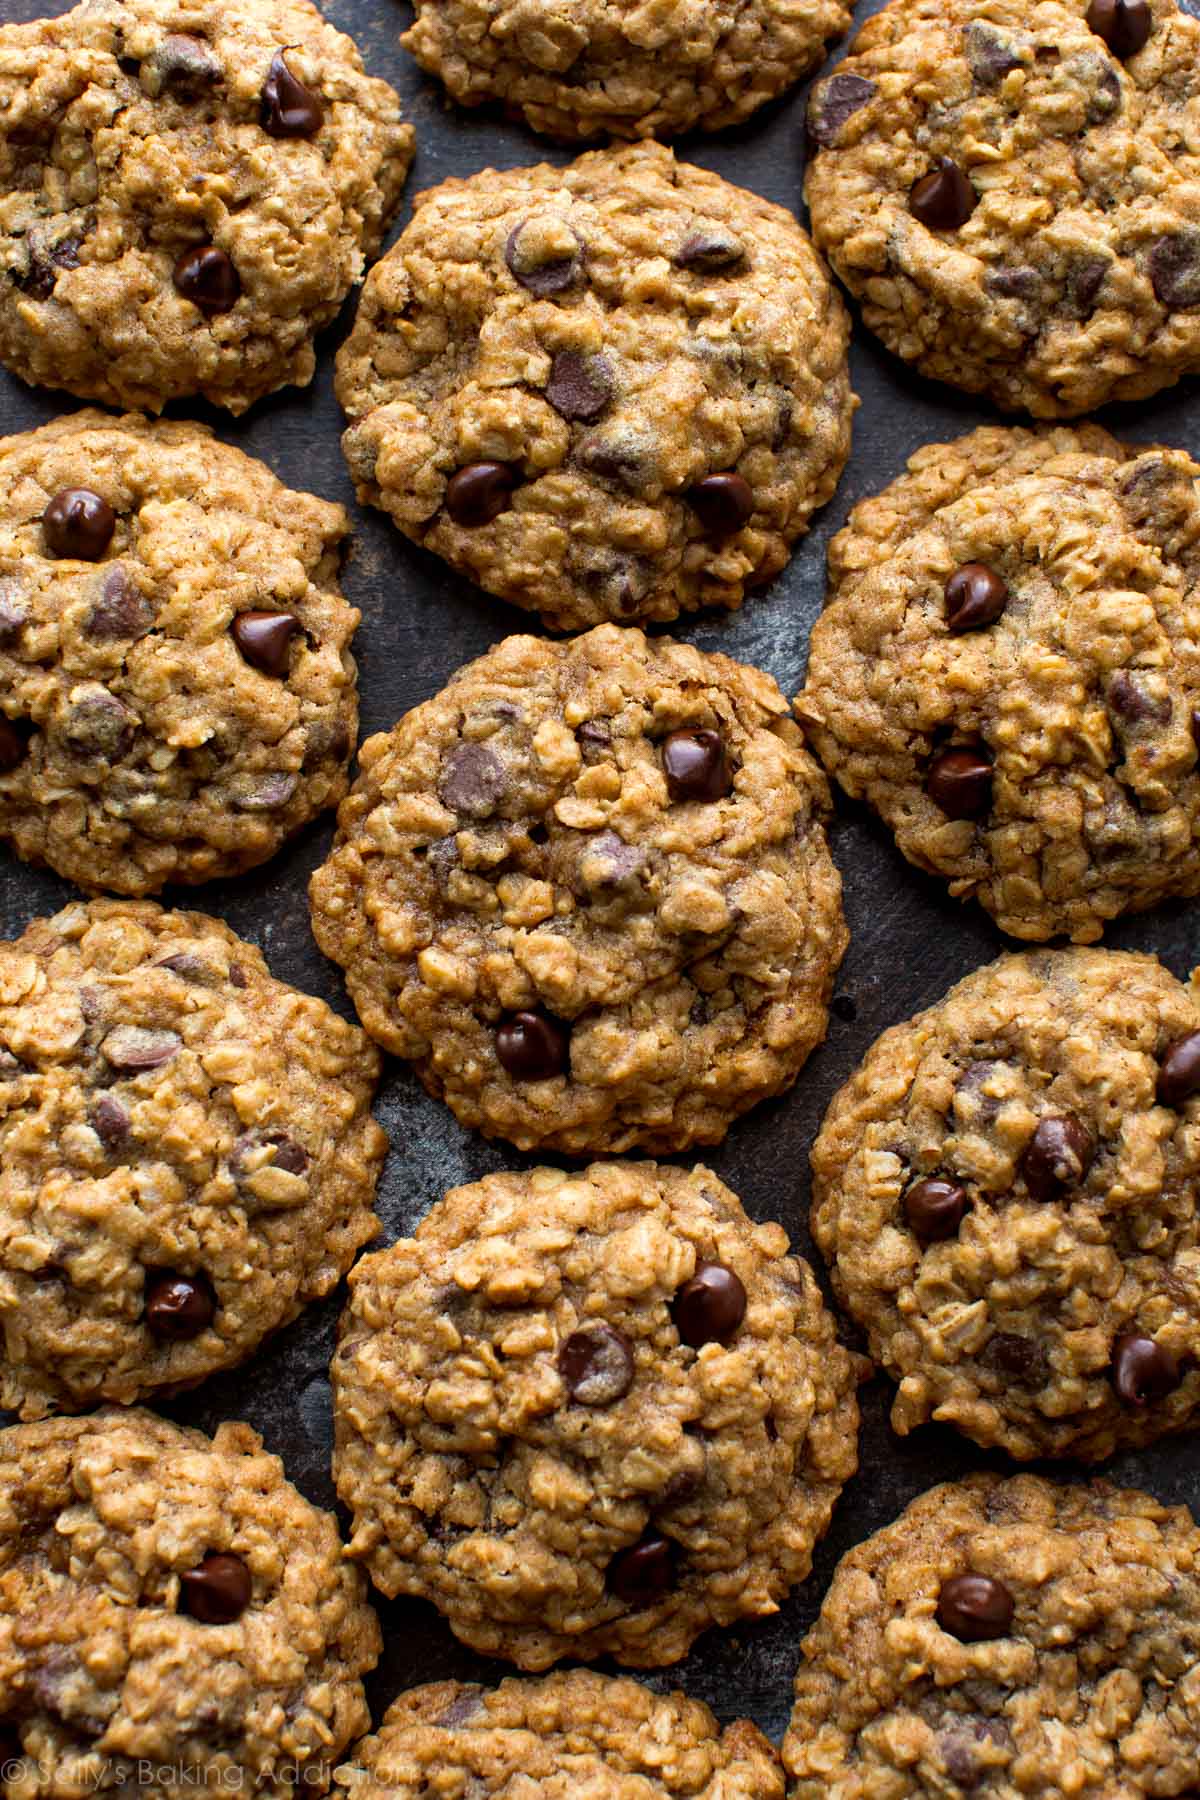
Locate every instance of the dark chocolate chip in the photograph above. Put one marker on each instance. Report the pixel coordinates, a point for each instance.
(709, 1308)
(595, 739)
(616, 456)
(580, 387)
(944, 199)
(607, 864)
(1014, 283)
(835, 101)
(541, 278)
(1143, 1370)
(975, 596)
(99, 725)
(207, 278)
(532, 1046)
(78, 523)
(46, 263)
(1084, 282)
(109, 1120)
(712, 251)
(190, 967)
(218, 1591)
(325, 742)
(479, 493)
(1175, 269)
(281, 1152)
(596, 1365)
(991, 53)
(289, 109)
(264, 639)
(134, 1049)
(1057, 1157)
(1179, 1071)
(960, 783)
(178, 1307)
(644, 1573)
(265, 793)
(934, 1208)
(696, 766)
(185, 65)
(119, 611)
(14, 743)
(1016, 1357)
(1132, 701)
(975, 1608)
(722, 503)
(473, 781)
(1125, 25)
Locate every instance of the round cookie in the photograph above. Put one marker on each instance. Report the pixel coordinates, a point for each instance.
(188, 191)
(1006, 1638)
(1007, 1190)
(586, 891)
(612, 391)
(620, 67)
(590, 1414)
(177, 693)
(564, 1736)
(187, 1155)
(1008, 671)
(174, 1616)
(1013, 194)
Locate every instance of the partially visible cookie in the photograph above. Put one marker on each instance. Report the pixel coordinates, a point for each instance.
(177, 693)
(586, 891)
(187, 1154)
(1013, 194)
(1008, 1190)
(174, 1616)
(613, 391)
(1008, 671)
(188, 191)
(566, 1735)
(1006, 1638)
(619, 66)
(590, 1414)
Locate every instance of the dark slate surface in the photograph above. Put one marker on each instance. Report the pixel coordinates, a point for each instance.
(909, 940)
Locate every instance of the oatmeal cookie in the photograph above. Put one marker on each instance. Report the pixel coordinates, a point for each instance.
(188, 190)
(586, 890)
(1003, 1639)
(1008, 671)
(1013, 194)
(621, 66)
(566, 1736)
(174, 1617)
(187, 1155)
(612, 391)
(177, 692)
(1008, 1193)
(590, 1414)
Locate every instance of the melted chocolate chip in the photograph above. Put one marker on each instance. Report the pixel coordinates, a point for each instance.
(722, 503)
(1058, 1156)
(479, 493)
(218, 1590)
(265, 793)
(1133, 702)
(835, 101)
(596, 1365)
(532, 1046)
(944, 199)
(14, 744)
(134, 1050)
(594, 739)
(990, 53)
(975, 1608)
(607, 865)
(960, 783)
(975, 596)
(14, 610)
(1125, 25)
(934, 1208)
(178, 1307)
(119, 612)
(289, 109)
(473, 781)
(190, 967)
(709, 1308)
(183, 64)
(580, 387)
(281, 1152)
(1084, 283)
(1014, 283)
(1018, 1358)
(696, 766)
(79, 524)
(109, 1120)
(1175, 270)
(713, 251)
(207, 277)
(617, 456)
(644, 1573)
(46, 263)
(99, 725)
(1143, 1370)
(1179, 1071)
(264, 639)
(542, 277)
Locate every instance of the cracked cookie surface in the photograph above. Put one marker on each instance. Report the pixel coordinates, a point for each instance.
(1068, 1666)
(187, 1154)
(1006, 1190)
(188, 191)
(590, 1414)
(586, 891)
(572, 1735)
(613, 391)
(1008, 671)
(177, 690)
(174, 1615)
(1013, 194)
(620, 66)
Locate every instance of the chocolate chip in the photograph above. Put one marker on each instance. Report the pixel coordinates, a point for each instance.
(1019, 283)
(835, 101)
(1143, 1370)
(1084, 282)
(1124, 25)
(532, 1046)
(289, 109)
(1179, 1071)
(264, 793)
(644, 1573)
(1105, 97)
(975, 596)
(186, 65)
(119, 611)
(990, 53)
(257, 1149)
(696, 766)
(466, 1705)
(975, 1608)
(217, 1591)
(944, 199)
(109, 1120)
(722, 503)
(46, 263)
(190, 967)
(178, 1307)
(709, 1308)
(237, 975)
(580, 387)
(14, 744)
(960, 783)
(595, 739)
(78, 523)
(207, 278)
(325, 741)
(1175, 269)
(712, 251)
(134, 1049)
(264, 639)
(1016, 1357)
(1058, 1156)
(541, 277)
(1132, 701)
(597, 1365)
(479, 493)
(607, 864)
(98, 724)
(617, 456)
(14, 610)
(472, 782)
(934, 1208)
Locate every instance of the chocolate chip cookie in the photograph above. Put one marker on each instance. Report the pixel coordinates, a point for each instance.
(612, 391)
(619, 66)
(586, 891)
(177, 693)
(188, 190)
(562, 1737)
(1008, 671)
(1004, 1638)
(1007, 1190)
(174, 1616)
(590, 1414)
(1013, 194)
(187, 1154)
